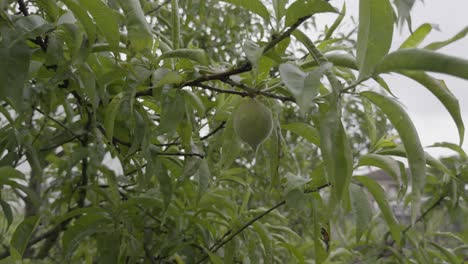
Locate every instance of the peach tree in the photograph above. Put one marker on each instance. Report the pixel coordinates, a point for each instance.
(120, 141)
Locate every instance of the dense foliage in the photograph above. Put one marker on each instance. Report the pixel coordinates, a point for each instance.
(117, 142)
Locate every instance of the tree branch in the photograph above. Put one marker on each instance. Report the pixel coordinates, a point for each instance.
(230, 234)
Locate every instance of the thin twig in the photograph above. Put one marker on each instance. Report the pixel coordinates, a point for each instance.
(214, 131)
(230, 234)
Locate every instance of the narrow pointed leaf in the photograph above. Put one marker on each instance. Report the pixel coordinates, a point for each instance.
(408, 134)
(440, 90)
(424, 60)
(336, 151)
(306, 131)
(379, 195)
(254, 6)
(139, 32)
(22, 235)
(385, 163)
(111, 113)
(7, 212)
(374, 34)
(441, 44)
(197, 55)
(105, 19)
(300, 9)
(361, 208)
(417, 37)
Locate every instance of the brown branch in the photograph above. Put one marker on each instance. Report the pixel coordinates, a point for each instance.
(254, 91)
(244, 67)
(214, 131)
(230, 234)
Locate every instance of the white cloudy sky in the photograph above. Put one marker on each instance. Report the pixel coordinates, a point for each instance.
(431, 119)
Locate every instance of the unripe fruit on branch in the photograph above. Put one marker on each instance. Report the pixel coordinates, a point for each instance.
(252, 122)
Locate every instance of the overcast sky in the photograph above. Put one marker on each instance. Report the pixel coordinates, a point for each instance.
(432, 121)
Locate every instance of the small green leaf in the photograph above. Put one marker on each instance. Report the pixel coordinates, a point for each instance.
(173, 111)
(336, 151)
(254, 6)
(385, 163)
(111, 113)
(379, 195)
(404, 7)
(83, 227)
(22, 235)
(304, 8)
(361, 208)
(156, 168)
(408, 134)
(304, 130)
(417, 36)
(441, 44)
(293, 78)
(424, 60)
(453, 147)
(105, 19)
(448, 253)
(253, 52)
(440, 90)
(374, 34)
(14, 66)
(336, 23)
(7, 212)
(231, 145)
(204, 177)
(9, 172)
(267, 241)
(197, 55)
(139, 32)
(82, 15)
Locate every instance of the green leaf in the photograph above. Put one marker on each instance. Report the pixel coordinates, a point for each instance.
(385, 163)
(408, 134)
(304, 87)
(404, 7)
(111, 113)
(231, 145)
(304, 130)
(156, 168)
(254, 6)
(379, 195)
(336, 23)
(173, 111)
(441, 44)
(253, 52)
(83, 227)
(80, 13)
(197, 55)
(267, 241)
(14, 66)
(304, 8)
(336, 150)
(424, 60)
(448, 253)
(139, 32)
(417, 36)
(453, 147)
(440, 90)
(8, 172)
(431, 161)
(293, 78)
(374, 34)
(361, 208)
(105, 19)
(204, 177)
(7, 212)
(22, 235)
